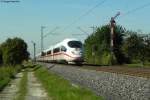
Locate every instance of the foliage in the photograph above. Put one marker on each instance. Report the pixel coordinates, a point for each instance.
(136, 47)
(97, 46)
(7, 73)
(129, 47)
(1, 59)
(14, 51)
(147, 47)
(60, 89)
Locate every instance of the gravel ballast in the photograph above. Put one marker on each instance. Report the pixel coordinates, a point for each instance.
(111, 86)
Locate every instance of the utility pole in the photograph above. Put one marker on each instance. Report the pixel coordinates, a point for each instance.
(112, 36)
(94, 28)
(45, 35)
(42, 32)
(83, 31)
(34, 50)
(93, 46)
(112, 25)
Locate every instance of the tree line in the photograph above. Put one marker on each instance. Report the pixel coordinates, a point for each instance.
(129, 46)
(13, 51)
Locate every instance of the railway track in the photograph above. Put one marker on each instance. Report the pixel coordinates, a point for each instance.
(111, 82)
(139, 72)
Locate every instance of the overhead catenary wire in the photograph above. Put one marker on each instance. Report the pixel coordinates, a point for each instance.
(51, 32)
(86, 33)
(136, 9)
(122, 15)
(100, 3)
(85, 14)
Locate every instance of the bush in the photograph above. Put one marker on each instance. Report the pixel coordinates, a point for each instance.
(97, 46)
(6, 74)
(14, 51)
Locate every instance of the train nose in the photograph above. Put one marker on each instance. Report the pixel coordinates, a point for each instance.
(77, 49)
(77, 52)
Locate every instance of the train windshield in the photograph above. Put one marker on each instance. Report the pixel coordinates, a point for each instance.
(75, 44)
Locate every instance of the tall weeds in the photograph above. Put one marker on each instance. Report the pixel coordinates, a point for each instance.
(6, 74)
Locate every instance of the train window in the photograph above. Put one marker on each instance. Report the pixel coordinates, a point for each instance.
(49, 52)
(56, 50)
(75, 44)
(43, 54)
(63, 48)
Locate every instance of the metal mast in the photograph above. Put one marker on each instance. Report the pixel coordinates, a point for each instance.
(42, 29)
(112, 36)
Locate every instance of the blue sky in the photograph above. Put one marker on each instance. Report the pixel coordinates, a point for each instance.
(24, 19)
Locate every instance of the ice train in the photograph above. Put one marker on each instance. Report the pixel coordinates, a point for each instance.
(67, 51)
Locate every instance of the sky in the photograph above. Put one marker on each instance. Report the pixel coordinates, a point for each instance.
(25, 19)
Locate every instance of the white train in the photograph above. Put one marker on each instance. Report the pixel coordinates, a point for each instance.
(67, 51)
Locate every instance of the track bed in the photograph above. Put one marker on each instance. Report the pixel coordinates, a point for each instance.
(141, 72)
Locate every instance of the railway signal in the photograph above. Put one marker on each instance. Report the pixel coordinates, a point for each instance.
(112, 26)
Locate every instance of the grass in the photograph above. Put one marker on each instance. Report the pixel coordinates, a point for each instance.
(146, 65)
(133, 65)
(60, 89)
(22, 87)
(6, 74)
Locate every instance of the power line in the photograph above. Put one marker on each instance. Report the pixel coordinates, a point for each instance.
(51, 32)
(85, 14)
(94, 28)
(136, 9)
(86, 33)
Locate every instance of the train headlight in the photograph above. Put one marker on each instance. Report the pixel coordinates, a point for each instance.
(76, 53)
(73, 52)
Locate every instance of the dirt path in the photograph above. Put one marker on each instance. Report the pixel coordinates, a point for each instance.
(10, 91)
(35, 90)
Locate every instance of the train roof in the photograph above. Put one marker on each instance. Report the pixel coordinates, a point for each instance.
(61, 43)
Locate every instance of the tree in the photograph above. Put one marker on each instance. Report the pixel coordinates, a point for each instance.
(97, 45)
(14, 51)
(147, 47)
(137, 47)
(1, 60)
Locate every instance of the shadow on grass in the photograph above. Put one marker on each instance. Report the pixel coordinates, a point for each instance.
(36, 68)
(2, 86)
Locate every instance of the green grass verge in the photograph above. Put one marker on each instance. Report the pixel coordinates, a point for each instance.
(60, 89)
(146, 65)
(133, 65)
(6, 74)
(22, 87)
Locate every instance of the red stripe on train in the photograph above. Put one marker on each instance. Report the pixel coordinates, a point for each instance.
(60, 54)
